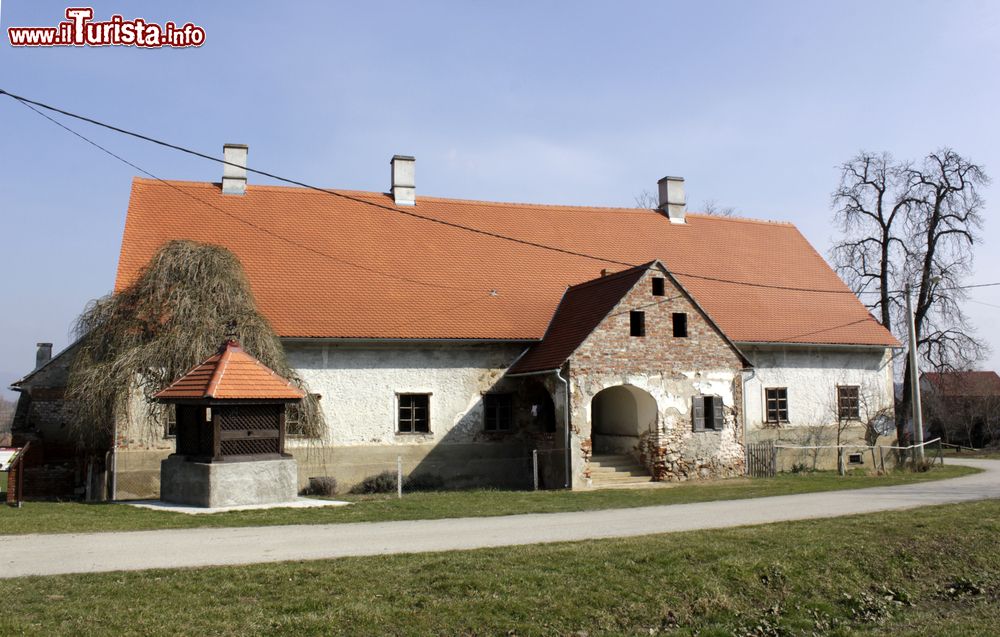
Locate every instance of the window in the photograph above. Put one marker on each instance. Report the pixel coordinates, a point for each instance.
(847, 403)
(497, 412)
(659, 286)
(680, 324)
(707, 413)
(294, 422)
(855, 458)
(414, 413)
(776, 404)
(637, 323)
(169, 417)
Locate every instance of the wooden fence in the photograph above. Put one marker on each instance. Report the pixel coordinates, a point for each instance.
(762, 459)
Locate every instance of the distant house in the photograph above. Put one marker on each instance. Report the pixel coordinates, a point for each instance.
(963, 407)
(464, 336)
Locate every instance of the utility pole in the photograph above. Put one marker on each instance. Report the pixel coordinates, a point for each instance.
(918, 416)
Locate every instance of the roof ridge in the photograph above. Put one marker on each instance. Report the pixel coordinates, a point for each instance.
(459, 201)
(219, 371)
(642, 267)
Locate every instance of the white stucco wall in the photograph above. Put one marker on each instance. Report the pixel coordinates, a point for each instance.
(359, 385)
(811, 375)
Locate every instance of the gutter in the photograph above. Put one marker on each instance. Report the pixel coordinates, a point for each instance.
(746, 424)
(760, 344)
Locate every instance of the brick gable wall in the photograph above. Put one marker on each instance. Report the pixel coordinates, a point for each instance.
(673, 370)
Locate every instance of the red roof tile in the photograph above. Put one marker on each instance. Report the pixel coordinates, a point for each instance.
(964, 383)
(326, 266)
(233, 374)
(581, 310)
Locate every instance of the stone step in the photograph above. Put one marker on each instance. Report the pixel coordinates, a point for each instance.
(618, 479)
(634, 470)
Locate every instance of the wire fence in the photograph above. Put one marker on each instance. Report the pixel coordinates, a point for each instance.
(798, 457)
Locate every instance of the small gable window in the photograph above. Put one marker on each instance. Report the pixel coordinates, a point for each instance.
(637, 323)
(680, 324)
(497, 412)
(706, 413)
(659, 286)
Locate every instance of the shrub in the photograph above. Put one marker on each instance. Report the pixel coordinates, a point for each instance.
(384, 482)
(424, 482)
(322, 485)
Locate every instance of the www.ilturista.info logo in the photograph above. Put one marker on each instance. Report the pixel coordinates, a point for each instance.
(80, 30)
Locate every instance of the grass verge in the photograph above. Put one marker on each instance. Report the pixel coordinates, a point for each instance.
(929, 571)
(66, 517)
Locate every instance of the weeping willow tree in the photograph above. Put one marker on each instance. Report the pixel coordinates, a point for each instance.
(186, 302)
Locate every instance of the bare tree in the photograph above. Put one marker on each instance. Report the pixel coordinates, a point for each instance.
(649, 200)
(871, 203)
(913, 223)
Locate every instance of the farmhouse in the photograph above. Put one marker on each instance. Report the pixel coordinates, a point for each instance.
(467, 337)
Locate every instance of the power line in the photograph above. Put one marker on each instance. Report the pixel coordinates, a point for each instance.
(395, 210)
(392, 275)
(28, 102)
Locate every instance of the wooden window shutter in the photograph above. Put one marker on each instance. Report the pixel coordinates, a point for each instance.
(698, 412)
(717, 417)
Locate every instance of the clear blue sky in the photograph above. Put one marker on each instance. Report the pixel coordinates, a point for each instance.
(562, 102)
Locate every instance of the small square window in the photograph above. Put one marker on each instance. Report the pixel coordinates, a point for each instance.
(497, 412)
(848, 407)
(776, 404)
(680, 320)
(169, 417)
(294, 423)
(659, 286)
(414, 414)
(855, 458)
(707, 414)
(637, 323)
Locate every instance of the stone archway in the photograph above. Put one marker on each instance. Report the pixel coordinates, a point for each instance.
(619, 415)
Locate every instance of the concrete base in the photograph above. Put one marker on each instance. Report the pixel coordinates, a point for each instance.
(228, 484)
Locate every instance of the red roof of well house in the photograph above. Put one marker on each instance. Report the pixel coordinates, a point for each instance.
(964, 383)
(230, 374)
(355, 265)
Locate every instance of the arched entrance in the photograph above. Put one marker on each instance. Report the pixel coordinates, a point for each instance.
(619, 415)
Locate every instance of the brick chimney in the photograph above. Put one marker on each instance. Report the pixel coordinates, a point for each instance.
(672, 203)
(234, 178)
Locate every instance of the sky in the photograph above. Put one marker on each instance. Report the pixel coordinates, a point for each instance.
(754, 104)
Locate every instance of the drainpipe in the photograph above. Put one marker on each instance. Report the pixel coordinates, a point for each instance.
(566, 422)
(746, 425)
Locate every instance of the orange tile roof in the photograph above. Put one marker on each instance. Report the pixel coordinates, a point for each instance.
(326, 266)
(581, 310)
(230, 374)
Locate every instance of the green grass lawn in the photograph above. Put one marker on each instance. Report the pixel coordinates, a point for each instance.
(928, 571)
(63, 517)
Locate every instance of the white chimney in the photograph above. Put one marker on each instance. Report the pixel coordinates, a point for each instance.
(234, 178)
(404, 189)
(43, 354)
(672, 198)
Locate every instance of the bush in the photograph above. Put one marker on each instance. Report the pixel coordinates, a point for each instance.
(424, 482)
(322, 485)
(384, 482)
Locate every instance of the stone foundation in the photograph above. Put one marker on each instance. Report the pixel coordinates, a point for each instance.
(223, 484)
